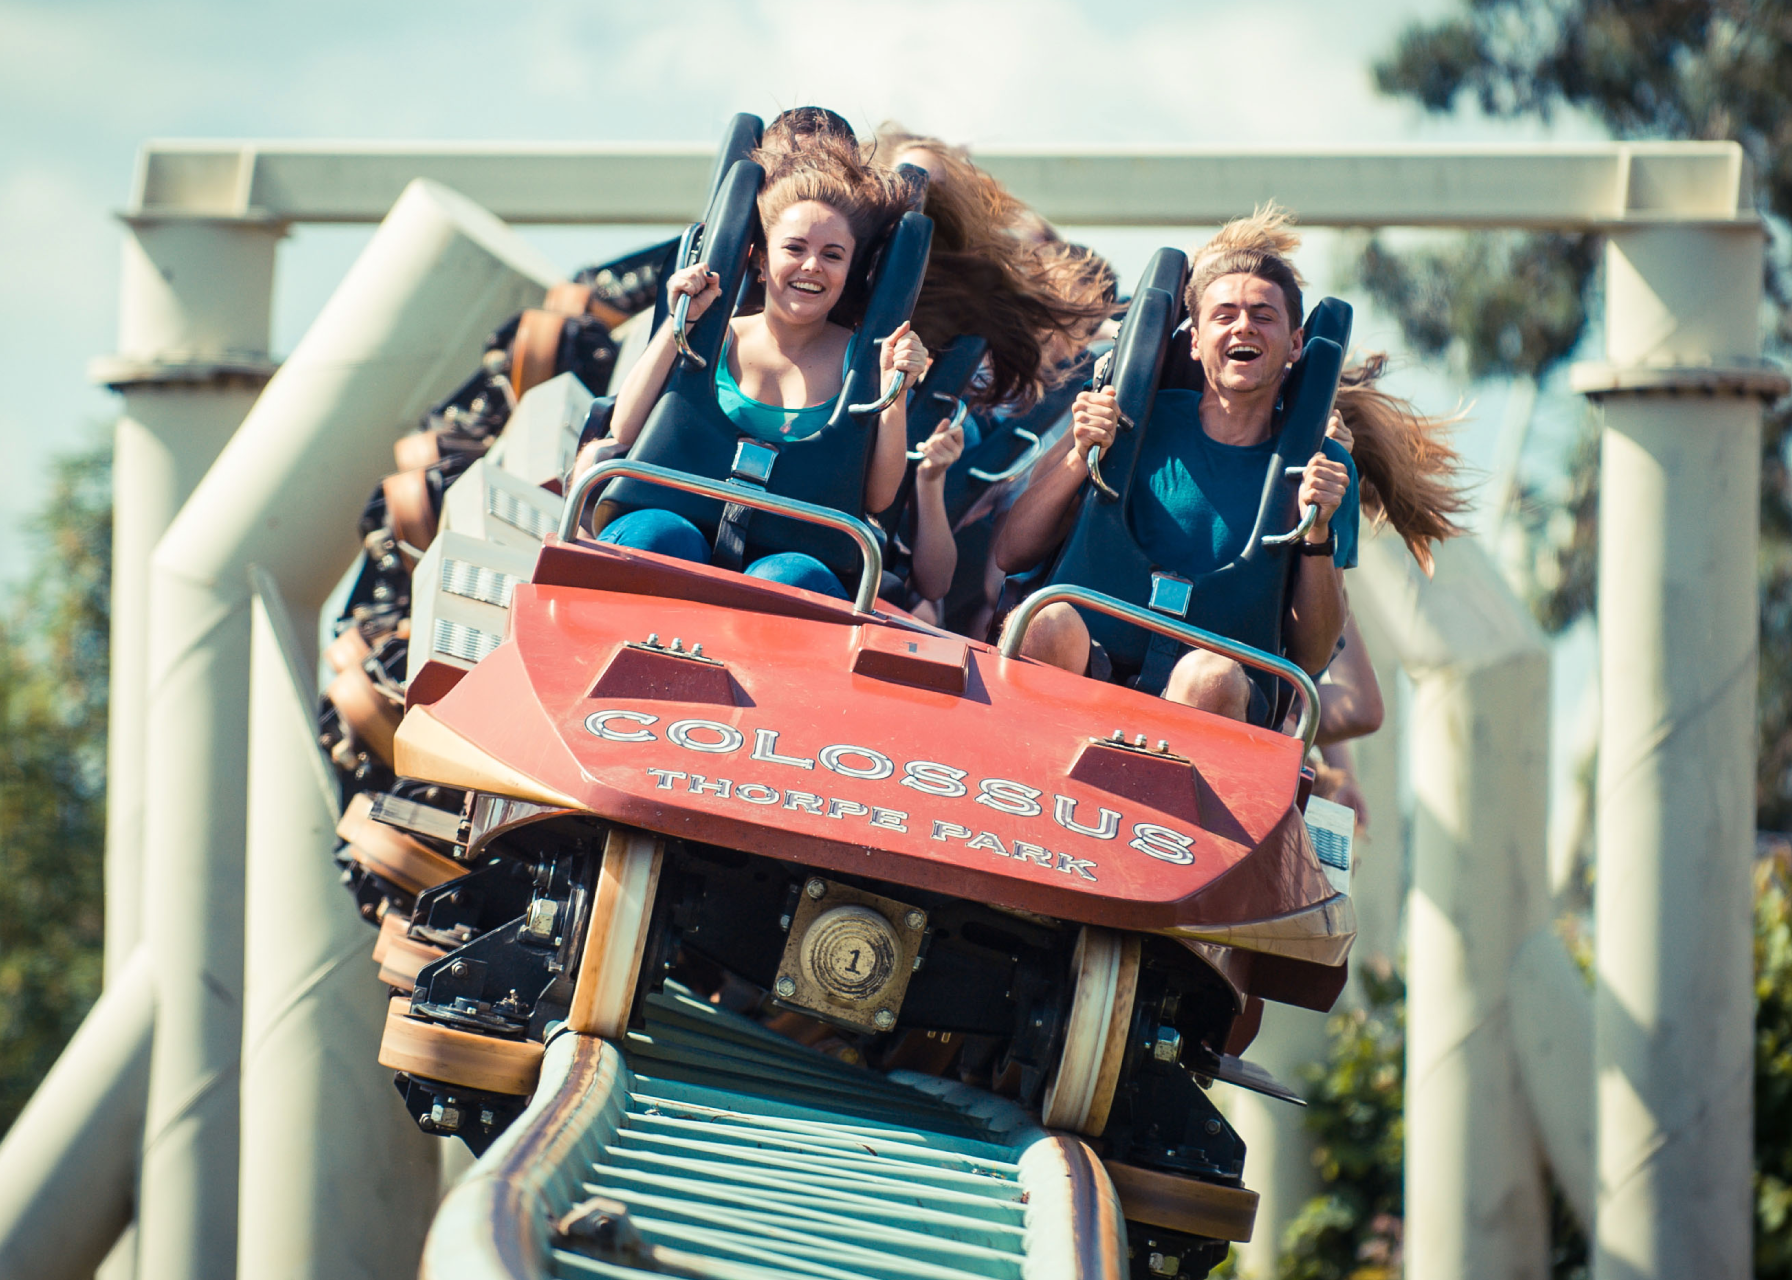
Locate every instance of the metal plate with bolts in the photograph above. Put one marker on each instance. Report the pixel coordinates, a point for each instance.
(849, 956)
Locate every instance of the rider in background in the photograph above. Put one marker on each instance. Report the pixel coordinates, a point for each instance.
(783, 368)
(1204, 463)
(987, 275)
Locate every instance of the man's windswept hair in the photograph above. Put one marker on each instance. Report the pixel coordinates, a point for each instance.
(1262, 245)
(1405, 463)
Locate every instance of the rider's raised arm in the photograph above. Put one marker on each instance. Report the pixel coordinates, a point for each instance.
(1317, 607)
(641, 389)
(903, 350)
(1040, 519)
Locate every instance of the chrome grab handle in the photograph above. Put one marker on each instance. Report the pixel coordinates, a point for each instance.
(1307, 519)
(956, 421)
(1094, 460)
(870, 576)
(681, 314)
(1017, 466)
(1244, 654)
(892, 389)
(681, 310)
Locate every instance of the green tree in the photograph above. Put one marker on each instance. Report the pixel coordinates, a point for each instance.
(1353, 1229)
(53, 669)
(1515, 306)
(1700, 69)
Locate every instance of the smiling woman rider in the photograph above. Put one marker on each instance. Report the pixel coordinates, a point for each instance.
(783, 368)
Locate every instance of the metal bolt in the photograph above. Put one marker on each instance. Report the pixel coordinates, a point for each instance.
(486, 1118)
(817, 888)
(677, 645)
(458, 968)
(653, 639)
(697, 651)
(1213, 1128)
(914, 919)
(446, 1118)
(1164, 1266)
(1139, 741)
(786, 986)
(883, 1019)
(540, 920)
(1119, 736)
(784, 923)
(1167, 1047)
(1163, 745)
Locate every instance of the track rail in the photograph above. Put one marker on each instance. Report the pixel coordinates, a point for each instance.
(707, 1146)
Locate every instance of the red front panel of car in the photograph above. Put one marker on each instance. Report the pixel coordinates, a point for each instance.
(777, 745)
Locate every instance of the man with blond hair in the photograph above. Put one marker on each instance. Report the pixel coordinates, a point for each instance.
(1202, 465)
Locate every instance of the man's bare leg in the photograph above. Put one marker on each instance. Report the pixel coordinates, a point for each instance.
(1210, 683)
(1059, 636)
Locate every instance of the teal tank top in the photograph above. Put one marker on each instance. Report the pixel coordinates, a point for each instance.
(772, 423)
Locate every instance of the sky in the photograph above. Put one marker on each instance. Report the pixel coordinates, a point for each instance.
(84, 82)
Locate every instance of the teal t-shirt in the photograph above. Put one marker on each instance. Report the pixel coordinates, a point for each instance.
(1200, 497)
(772, 423)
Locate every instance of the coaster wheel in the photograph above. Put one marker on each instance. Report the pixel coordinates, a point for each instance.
(364, 709)
(1106, 969)
(418, 450)
(1180, 1203)
(419, 1047)
(391, 854)
(536, 349)
(350, 649)
(617, 933)
(410, 514)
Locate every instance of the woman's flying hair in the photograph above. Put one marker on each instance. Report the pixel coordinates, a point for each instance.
(791, 130)
(1262, 245)
(1405, 465)
(986, 275)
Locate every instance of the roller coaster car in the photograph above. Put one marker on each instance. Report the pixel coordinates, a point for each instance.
(939, 855)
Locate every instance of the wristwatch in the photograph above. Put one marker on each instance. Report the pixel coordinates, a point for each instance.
(1327, 548)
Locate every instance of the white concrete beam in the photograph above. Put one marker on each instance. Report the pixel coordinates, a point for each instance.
(1581, 185)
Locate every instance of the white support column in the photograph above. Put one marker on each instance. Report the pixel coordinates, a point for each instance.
(1678, 523)
(70, 1159)
(1479, 757)
(1279, 1150)
(195, 298)
(337, 1179)
(1379, 876)
(398, 333)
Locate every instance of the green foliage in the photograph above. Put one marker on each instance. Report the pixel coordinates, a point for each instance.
(1506, 305)
(1773, 1066)
(1353, 1230)
(1707, 69)
(1510, 305)
(53, 671)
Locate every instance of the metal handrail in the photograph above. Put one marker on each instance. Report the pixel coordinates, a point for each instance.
(1014, 468)
(1244, 654)
(681, 310)
(870, 577)
(1307, 520)
(892, 389)
(956, 421)
(681, 314)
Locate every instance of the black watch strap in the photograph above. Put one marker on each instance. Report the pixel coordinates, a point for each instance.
(1327, 548)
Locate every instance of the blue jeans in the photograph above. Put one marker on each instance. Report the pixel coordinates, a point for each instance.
(669, 534)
